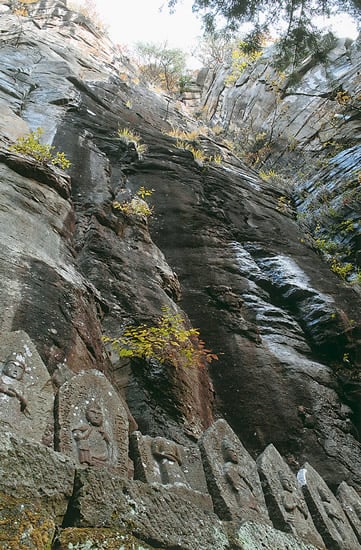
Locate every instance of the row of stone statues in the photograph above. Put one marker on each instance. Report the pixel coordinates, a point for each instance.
(90, 423)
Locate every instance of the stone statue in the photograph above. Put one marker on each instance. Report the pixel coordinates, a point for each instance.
(327, 512)
(92, 422)
(332, 512)
(168, 455)
(238, 482)
(232, 476)
(11, 382)
(285, 499)
(291, 502)
(93, 441)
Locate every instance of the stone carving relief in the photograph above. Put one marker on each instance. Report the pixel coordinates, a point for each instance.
(26, 393)
(92, 422)
(160, 460)
(351, 505)
(168, 456)
(232, 475)
(286, 504)
(94, 444)
(327, 512)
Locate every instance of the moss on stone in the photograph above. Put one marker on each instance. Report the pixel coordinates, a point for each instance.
(24, 525)
(98, 539)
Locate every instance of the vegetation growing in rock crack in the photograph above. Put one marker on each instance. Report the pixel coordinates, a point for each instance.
(169, 341)
(127, 136)
(30, 145)
(137, 206)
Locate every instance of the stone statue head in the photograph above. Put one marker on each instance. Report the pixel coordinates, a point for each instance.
(163, 448)
(14, 368)
(229, 452)
(94, 414)
(285, 481)
(324, 496)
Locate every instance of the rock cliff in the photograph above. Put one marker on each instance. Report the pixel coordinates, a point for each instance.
(223, 249)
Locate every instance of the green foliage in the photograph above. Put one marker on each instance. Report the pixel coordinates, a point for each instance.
(160, 65)
(296, 16)
(342, 270)
(184, 82)
(268, 175)
(242, 57)
(167, 342)
(30, 145)
(137, 206)
(215, 49)
(326, 246)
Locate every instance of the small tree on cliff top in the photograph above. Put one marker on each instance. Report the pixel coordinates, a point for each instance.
(160, 65)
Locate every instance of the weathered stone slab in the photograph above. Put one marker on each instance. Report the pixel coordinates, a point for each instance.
(351, 504)
(162, 516)
(33, 472)
(160, 460)
(92, 422)
(255, 536)
(232, 476)
(26, 393)
(286, 504)
(327, 512)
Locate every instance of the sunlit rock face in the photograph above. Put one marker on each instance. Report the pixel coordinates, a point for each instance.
(220, 246)
(305, 107)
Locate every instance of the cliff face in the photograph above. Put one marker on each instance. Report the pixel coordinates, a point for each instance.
(222, 246)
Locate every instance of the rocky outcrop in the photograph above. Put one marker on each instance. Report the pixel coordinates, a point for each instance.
(221, 248)
(307, 107)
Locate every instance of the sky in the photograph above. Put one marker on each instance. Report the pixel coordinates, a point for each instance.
(150, 21)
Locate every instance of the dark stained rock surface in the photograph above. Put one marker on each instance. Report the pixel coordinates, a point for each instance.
(220, 247)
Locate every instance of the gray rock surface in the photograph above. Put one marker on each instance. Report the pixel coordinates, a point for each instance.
(50, 483)
(162, 516)
(327, 512)
(256, 536)
(222, 248)
(298, 108)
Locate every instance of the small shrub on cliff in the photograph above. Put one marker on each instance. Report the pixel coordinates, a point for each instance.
(167, 342)
(137, 206)
(30, 145)
(128, 136)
